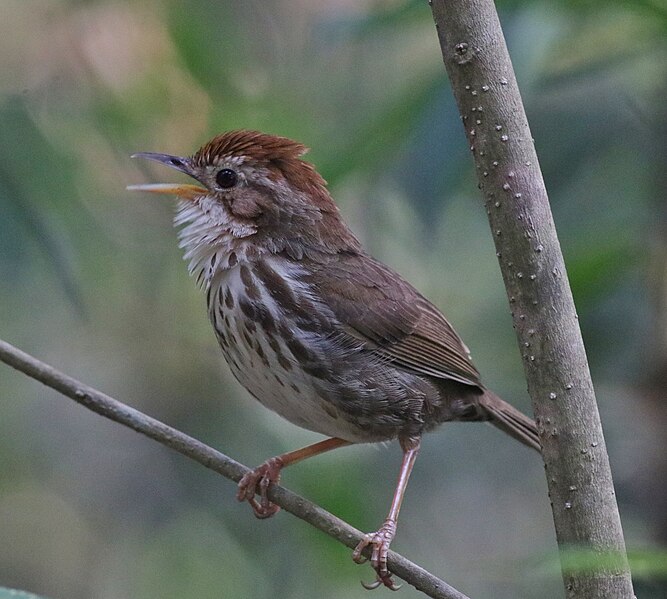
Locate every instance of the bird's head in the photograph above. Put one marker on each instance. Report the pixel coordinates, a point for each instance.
(255, 186)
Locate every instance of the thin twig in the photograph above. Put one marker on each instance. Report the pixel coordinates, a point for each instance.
(214, 460)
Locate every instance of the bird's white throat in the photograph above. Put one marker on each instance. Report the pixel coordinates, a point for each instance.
(212, 239)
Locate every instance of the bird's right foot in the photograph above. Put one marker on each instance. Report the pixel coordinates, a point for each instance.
(379, 542)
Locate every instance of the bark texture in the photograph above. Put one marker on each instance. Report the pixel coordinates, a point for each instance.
(577, 466)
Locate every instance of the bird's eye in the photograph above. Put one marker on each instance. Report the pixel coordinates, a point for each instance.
(226, 178)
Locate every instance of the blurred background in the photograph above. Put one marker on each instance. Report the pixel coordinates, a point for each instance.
(92, 281)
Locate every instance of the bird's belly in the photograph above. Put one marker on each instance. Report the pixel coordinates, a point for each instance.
(283, 367)
(298, 402)
(276, 380)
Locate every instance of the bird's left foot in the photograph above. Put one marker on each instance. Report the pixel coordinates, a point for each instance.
(379, 541)
(257, 482)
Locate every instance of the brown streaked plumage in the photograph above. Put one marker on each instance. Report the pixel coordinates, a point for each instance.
(315, 328)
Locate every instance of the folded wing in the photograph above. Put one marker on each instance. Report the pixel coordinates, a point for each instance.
(378, 307)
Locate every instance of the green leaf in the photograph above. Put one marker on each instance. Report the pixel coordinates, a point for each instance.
(14, 594)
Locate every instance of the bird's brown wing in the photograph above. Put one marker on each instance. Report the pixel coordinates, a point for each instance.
(377, 306)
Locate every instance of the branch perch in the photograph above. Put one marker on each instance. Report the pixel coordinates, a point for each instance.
(577, 466)
(296, 505)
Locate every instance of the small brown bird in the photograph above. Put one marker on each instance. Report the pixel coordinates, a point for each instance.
(311, 325)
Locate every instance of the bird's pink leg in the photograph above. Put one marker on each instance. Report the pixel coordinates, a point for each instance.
(257, 481)
(382, 538)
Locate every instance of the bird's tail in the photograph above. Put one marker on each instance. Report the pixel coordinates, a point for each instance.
(508, 419)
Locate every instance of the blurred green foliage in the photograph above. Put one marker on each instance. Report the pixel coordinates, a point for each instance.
(14, 594)
(92, 281)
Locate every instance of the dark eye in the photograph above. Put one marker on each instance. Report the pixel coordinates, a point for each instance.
(226, 178)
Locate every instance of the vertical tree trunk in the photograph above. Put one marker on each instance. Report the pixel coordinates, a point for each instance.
(577, 466)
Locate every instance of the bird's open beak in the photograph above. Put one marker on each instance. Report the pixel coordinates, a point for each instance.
(184, 191)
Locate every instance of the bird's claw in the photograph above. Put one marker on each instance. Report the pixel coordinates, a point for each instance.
(388, 582)
(371, 586)
(257, 482)
(379, 541)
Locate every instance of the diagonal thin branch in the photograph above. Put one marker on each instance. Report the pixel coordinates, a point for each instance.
(214, 460)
